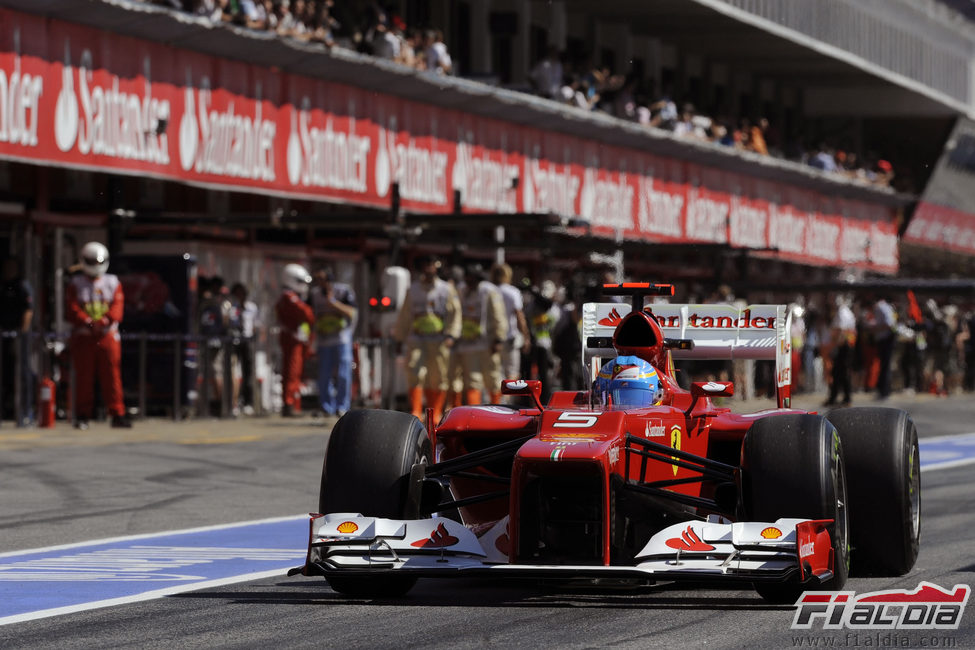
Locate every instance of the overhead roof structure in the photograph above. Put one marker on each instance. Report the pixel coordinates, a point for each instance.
(907, 58)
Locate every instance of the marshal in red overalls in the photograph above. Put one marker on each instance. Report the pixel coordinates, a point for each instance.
(94, 307)
(295, 317)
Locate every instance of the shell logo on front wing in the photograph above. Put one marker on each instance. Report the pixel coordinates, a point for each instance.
(771, 533)
(440, 538)
(347, 527)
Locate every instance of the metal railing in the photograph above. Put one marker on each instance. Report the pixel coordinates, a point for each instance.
(176, 375)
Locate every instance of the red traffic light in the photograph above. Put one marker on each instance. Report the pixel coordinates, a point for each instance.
(387, 301)
(374, 302)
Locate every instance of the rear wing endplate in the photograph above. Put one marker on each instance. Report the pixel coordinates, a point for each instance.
(718, 332)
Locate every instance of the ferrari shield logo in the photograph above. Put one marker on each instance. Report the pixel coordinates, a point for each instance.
(675, 443)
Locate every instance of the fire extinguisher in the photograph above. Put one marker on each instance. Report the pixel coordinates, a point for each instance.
(46, 402)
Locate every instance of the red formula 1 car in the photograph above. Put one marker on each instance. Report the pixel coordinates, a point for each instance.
(581, 488)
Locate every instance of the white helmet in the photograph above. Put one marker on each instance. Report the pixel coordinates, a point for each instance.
(297, 279)
(94, 259)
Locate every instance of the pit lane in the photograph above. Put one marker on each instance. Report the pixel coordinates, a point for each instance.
(178, 478)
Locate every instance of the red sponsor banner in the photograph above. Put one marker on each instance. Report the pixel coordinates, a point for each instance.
(75, 96)
(938, 226)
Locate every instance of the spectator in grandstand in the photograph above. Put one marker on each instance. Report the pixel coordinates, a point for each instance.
(546, 76)
(756, 139)
(320, 24)
(722, 134)
(690, 125)
(288, 22)
(335, 308)
(435, 52)
(824, 159)
(241, 12)
(210, 9)
(411, 49)
(293, 24)
(385, 42)
(884, 173)
(664, 113)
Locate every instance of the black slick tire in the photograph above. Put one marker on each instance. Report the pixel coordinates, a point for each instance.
(367, 470)
(884, 486)
(792, 466)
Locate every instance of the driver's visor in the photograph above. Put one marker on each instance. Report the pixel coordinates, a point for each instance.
(631, 397)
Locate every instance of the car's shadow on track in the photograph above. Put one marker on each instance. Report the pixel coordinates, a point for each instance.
(493, 594)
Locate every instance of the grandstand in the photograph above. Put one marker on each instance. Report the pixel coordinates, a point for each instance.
(166, 129)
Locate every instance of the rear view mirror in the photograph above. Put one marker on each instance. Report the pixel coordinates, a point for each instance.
(712, 389)
(529, 387)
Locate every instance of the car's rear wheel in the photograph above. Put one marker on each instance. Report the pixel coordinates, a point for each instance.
(884, 484)
(792, 466)
(367, 470)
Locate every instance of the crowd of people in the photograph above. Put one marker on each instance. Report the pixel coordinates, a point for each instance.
(880, 344)
(584, 85)
(568, 78)
(463, 329)
(565, 77)
(360, 26)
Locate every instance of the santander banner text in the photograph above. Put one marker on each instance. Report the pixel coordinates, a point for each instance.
(74, 96)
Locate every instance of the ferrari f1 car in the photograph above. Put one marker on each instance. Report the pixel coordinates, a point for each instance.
(681, 489)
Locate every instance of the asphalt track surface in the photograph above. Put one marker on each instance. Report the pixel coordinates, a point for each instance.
(63, 487)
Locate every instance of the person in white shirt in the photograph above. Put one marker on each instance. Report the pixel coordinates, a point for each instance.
(884, 320)
(546, 76)
(518, 338)
(244, 316)
(438, 59)
(843, 334)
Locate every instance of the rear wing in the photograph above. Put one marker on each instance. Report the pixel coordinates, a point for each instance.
(718, 332)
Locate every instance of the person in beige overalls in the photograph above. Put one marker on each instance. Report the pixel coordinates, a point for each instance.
(484, 328)
(429, 323)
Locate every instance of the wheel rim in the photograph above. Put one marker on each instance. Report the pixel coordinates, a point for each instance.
(914, 489)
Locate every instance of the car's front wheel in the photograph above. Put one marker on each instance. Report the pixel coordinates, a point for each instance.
(792, 466)
(884, 483)
(367, 470)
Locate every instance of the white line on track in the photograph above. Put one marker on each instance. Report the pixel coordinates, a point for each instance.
(148, 595)
(948, 464)
(129, 538)
(949, 436)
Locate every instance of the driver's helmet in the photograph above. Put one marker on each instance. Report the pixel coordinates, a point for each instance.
(628, 382)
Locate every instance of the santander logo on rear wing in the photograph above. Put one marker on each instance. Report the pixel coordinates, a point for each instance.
(718, 332)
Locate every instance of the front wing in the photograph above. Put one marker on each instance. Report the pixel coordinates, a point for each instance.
(787, 550)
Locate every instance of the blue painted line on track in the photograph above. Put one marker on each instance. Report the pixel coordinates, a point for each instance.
(947, 451)
(76, 577)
